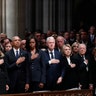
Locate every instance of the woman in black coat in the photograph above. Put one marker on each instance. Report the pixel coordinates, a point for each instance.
(36, 66)
(71, 79)
(3, 76)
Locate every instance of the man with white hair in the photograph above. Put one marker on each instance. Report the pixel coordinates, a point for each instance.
(55, 71)
(84, 62)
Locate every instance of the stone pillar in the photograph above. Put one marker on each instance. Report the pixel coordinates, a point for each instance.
(69, 15)
(53, 14)
(30, 15)
(61, 15)
(11, 18)
(50, 15)
(45, 15)
(3, 16)
(39, 14)
(21, 18)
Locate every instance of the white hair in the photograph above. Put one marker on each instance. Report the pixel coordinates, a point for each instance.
(50, 38)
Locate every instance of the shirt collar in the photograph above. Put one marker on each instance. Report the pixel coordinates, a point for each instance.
(51, 51)
(16, 49)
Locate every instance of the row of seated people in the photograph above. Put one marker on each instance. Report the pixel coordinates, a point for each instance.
(32, 69)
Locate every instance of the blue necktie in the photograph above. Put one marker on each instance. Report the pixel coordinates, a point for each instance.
(17, 54)
(51, 55)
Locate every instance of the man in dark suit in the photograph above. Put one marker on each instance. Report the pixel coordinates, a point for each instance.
(85, 75)
(54, 68)
(59, 43)
(17, 66)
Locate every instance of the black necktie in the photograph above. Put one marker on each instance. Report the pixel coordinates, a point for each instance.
(17, 54)
(51, 54)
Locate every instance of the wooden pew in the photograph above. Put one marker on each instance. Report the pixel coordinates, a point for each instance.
(55, 93)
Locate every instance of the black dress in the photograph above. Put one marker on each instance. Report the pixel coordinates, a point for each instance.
(3, 78)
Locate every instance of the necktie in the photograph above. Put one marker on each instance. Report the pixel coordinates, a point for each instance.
(17, 54)
(92, 37)
(51, 55)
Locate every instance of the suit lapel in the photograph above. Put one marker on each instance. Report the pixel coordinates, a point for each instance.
(12, 53)
(47, 53)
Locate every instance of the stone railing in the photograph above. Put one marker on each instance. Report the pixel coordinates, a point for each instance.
(55, 93)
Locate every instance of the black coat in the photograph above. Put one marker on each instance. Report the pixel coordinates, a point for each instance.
(37, 68)
(3, 78)
(53, 71)
(71, 79)
(18, 74)
(85, 76)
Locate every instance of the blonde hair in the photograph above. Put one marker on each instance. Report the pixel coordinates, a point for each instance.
(75, 43)
(66, 45)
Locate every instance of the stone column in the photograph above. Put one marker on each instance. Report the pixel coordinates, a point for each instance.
(21, 18)
(11, 18)
(49, 14)
(3, 16)
(69, 15)
(30, 15)
(50, 23)
(45, 16)
(61, 15)
(53, 14)
(39, 14)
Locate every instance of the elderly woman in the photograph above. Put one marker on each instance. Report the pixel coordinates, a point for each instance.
(71, 67)
(75, 48)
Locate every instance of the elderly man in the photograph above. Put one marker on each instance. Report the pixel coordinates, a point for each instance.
(60, 43)
(84, 62)
(55, 70)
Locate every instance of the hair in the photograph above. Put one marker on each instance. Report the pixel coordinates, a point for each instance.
(50, 38)
(75, 43)
(28, 42)
(66, 45)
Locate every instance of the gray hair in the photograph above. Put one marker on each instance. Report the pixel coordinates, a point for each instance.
(50, 38)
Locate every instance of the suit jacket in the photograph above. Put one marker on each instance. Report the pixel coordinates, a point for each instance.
(37, 68)
(17, 73)
(53, 71)
(85, 74)
(71, 79)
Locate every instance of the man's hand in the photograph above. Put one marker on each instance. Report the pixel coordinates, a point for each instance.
(86, 61)
(41, 85)
(59, 80)
(20, 60)
(72, 65)
(54, 61)
(1, 61)
(7, 87)
(26, 87)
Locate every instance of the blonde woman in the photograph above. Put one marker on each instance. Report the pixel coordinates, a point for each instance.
(75, 48)
(71, 67)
